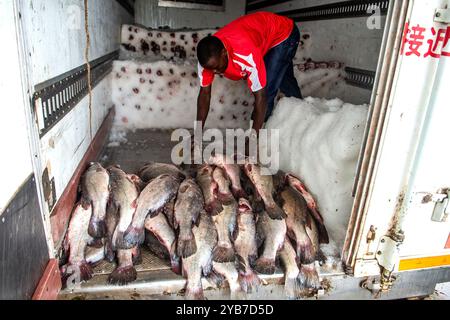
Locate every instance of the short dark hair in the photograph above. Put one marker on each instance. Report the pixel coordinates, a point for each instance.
(209, 47)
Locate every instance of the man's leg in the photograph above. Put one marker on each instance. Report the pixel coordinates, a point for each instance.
(289, 85)
(276, 66)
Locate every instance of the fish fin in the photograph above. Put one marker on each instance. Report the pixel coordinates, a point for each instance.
(276, 213)
(216, 279)
(97, 228)
(223, 254)
(239, 193)
(131, 238)
(187, 247)
(137, 256)
(214, 208)
(265, 266)
(85, 202)
(320, 256)
(292, 287)
(323, 234)
(225, 198)
(249, 281)
(308, 277)
(235, 233)
(123, 276)
(175, 259)
(110, 255)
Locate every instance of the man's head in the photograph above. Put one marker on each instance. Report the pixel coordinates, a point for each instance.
(212, 54)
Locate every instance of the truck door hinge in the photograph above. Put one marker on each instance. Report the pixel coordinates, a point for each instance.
(442, 208)
(442, 16)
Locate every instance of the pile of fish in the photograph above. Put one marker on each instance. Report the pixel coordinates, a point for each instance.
(220, 221)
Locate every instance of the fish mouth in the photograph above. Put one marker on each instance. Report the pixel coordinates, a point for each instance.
(244, 207)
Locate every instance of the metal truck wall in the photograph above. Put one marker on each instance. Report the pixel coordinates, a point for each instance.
(54, 38)
(355, 41)
(149, 14)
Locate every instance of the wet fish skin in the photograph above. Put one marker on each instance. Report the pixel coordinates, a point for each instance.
(225, 223)
(94, 255)
(153, 170)
(188, 206)
(297, 217)
(209, 189)
(293, 279)
(163, 232)
(233, 172)
(264, 186)
(200, 263)
(298, 185)
(75, 243)
(123, 198)
(272, 233)
(151, 202)
(245, 246)
(95, 191)
(224, 194)
(229, 272)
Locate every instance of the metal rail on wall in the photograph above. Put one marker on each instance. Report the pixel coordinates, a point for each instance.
(53, 99)
(259, 4)
(338, 10)
(360, 78)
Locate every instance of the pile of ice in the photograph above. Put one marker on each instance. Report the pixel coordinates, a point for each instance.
(321, 141)
(139, 41)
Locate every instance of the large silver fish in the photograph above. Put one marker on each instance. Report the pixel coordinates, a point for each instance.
(265, 189)
(233, 172)
(123, 199)
(75, 243)
(228, 271)
(209, 188)
(245, 245)
(188, 206)
(297, 216)
(272, 233)
(160, 228)
(225, 223)
(200, 263)
(95, 192)
(293, 279)
(153, 170)
(151, 201)
(223, 192)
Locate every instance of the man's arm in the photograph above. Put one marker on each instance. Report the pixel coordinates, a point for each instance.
(259, 113)
(203, 104)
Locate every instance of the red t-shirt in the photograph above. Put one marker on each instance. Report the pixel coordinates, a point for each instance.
(247, 40)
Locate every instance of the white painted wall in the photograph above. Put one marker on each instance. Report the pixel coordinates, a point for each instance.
(345, 40)
(54, 43)
(15, 162)
(150, 15)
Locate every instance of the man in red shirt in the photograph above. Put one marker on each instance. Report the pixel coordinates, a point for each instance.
(258, 48)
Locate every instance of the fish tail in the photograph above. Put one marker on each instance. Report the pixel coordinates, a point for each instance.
(306, 253)
(276, 213)
(323, 234)
(110, 255)
(308, 277)
(79, 272)
(265, 266)
(131, 238)
(249, 280)
(97, 228)
(123, 276)
(187, 245)
(292, 287)
(223, 254)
